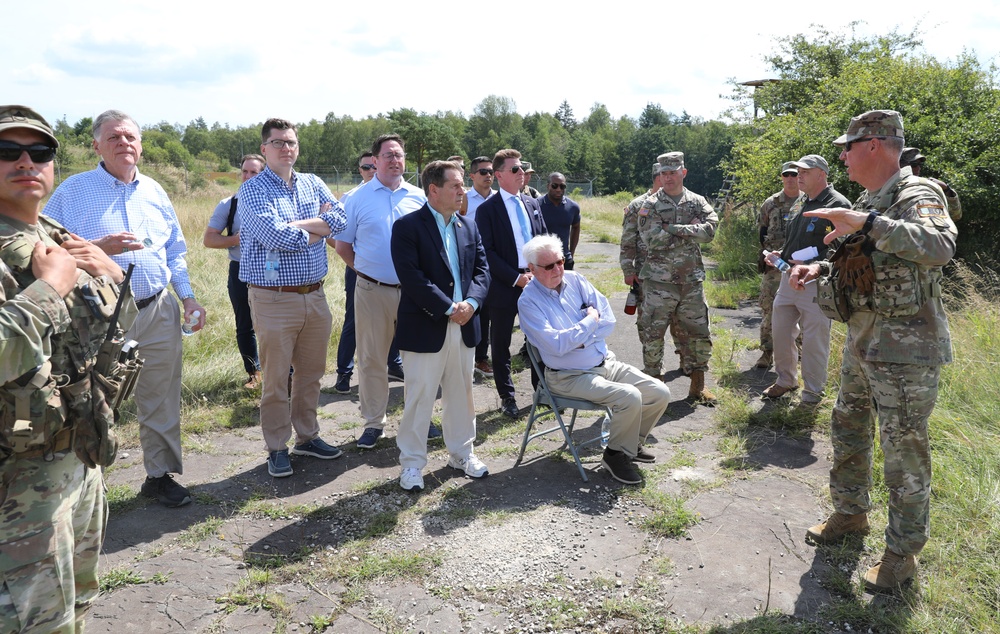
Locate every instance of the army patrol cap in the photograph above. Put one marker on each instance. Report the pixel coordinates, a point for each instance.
(812, 161)
(23, 117)
(910, 156)
(671, 161)
(789, 167)
(873, 123)
(526, 166)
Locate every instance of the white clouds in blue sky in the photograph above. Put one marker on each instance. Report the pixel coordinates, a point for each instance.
(240, 64)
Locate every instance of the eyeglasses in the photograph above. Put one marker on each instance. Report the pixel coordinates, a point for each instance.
(789, 175)
(367, 167)
(557, 185)
(515, 169)
(485, 171)
(281, 143)
(847, 146)
(549, 267)
(37, 152)
(393, 155)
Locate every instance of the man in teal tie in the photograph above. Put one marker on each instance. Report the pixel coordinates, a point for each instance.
(506, 222)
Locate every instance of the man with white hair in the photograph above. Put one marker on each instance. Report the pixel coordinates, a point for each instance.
(568, 320)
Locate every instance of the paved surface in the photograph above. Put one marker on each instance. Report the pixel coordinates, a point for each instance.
(531, 548)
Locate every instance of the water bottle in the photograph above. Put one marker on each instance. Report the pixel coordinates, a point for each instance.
(776, 262)
(632, 300)
(188, 328)
(271, 265)
(605, 431)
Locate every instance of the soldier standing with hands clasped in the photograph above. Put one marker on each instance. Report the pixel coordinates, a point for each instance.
(58, 295)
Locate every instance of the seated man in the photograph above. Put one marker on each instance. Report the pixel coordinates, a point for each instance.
(567, 319)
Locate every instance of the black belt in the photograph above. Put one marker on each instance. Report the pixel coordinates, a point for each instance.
(375, 281)
(142, 303)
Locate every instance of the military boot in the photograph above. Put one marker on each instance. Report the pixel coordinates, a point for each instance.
(891, 572)
(766, 360)
(698, 393)
(838, 525)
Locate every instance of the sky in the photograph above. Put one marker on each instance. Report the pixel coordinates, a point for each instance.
(240, 63)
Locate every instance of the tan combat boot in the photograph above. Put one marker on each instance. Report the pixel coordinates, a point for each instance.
(698, 393)
(891, 572)
(838, 525)
(766, 360)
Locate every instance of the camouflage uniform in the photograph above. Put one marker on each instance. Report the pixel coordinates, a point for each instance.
(897, 339)
(774, 215)
(672, 273)
(52, 506)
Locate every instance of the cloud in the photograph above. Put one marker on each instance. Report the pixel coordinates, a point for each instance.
(147, 62)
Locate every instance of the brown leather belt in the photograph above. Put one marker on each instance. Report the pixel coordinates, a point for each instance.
(375, 281)
(142, 303)
(305, 289)
(62, 441)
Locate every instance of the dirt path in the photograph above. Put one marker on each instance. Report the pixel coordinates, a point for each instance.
(531, 548)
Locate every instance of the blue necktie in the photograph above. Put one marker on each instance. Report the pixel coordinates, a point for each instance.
(522, 217)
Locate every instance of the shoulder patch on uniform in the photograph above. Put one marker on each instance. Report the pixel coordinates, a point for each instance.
(930, 210)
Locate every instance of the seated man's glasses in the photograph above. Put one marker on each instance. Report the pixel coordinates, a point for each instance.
(549, 267)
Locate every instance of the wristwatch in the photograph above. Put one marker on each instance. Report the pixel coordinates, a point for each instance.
(872, 215)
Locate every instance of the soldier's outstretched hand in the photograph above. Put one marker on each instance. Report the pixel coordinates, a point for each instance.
(845, 221)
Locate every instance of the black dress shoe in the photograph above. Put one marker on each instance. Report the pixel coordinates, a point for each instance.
(510, 407)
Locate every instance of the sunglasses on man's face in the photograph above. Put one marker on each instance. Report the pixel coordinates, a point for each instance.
(37, 152)
(516, 169)
(557, 185)
(549, 267)
(367, 167)
(485, 171)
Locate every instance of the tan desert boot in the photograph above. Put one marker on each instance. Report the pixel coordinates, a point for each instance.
(891, 572)
(838, 525)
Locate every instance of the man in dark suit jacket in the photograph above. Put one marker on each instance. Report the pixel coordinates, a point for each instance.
(442, 270)
(507, 220)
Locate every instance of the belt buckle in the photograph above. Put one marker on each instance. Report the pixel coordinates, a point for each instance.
(304, 289)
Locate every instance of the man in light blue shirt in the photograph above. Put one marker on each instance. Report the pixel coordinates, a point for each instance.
(481, 175)
(285, 216)
(130, 218)
(364, 246)
(567, 319)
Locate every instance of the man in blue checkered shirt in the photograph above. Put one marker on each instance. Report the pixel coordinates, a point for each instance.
(285, 215)
(129, 216)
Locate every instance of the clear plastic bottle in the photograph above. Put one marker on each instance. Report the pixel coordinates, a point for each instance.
(605, 431)
(188, 328)
(776, 261)
(271, 265)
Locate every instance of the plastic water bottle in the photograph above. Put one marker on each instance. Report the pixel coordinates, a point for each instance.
(272, 265)
(188, 328)
(605, 431)
(776, 262)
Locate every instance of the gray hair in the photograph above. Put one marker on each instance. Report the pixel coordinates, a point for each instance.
(542, 244)
(111, 115)
(895, 143)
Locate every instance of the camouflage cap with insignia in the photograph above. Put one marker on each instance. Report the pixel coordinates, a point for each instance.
(656, 169)
(812, 161)
(671, 161)
(789, 167)
(910, 156)
(873, 123)
(24, 117)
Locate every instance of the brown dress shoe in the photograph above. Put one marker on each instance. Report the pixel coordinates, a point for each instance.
(777, 391)
(698, 393)
(253, 381)
(891, 572)
(837, 526)
(766, 360)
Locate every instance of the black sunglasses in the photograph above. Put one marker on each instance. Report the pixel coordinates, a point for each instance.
(367, 167)
(516, 169)
(37, 152)
(485, 171)
(549, 267)
(847, 146)
(557, 185)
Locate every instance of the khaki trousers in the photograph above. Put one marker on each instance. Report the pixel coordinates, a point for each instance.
(375, 325)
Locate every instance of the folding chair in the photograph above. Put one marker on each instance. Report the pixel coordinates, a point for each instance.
(545, 403)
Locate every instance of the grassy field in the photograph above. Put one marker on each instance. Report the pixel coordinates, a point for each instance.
(959, 588)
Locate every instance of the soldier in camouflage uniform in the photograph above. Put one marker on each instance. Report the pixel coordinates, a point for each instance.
(774, 214)
(670, 224)
(888, 275)
(52, 506)
(637, 259)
